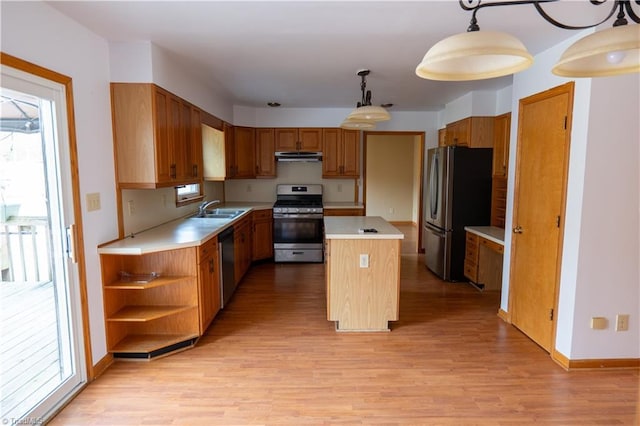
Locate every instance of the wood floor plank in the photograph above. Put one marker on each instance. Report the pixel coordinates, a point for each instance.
(272, 358)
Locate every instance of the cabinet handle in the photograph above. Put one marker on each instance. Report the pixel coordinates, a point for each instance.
(172, 171)
(211, 269)
(517, 230)
(194, 170)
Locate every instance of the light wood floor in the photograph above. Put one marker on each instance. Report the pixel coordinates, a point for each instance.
(271, 358)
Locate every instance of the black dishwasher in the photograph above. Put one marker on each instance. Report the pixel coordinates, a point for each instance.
(227, 280)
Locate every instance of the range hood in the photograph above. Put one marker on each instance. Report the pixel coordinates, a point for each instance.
(301, 156)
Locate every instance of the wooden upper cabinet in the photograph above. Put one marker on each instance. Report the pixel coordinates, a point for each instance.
(472, 132)
(341, 153)
(286, 139)
(244, 152)
(501, 138)
(298, 139)
(150, 141)
(310, 139)
(442, 137)
(229, 150)
(265, 153)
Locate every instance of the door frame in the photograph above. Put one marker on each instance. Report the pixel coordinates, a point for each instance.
(421, 141)
(567, 88)
(63, 80)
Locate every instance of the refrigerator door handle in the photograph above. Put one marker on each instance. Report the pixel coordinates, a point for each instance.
(434, 186)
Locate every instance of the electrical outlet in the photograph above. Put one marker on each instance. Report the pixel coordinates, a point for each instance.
(622, 322)
(339, 187)
(93, 201)
(131, 207)
(392, 210)
(599, 323)
(364, 260)
(249, 188)
(164, 200)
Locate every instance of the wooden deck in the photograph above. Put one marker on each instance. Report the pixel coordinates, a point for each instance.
(29, 355)
(272, 358)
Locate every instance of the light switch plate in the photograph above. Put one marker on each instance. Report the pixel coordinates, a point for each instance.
(598, 323)
(364, 260)
(93, 201)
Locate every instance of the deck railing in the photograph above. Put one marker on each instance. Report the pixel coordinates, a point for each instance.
(25, 250)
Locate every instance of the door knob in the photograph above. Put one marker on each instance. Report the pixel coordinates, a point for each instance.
(517, 230)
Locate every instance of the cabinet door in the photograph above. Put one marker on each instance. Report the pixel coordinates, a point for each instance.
(209, 290)
(350, 153)
(193, 142)
(461, 133)
(286, 139)
(229, 150)
(245, 157)
(262, 235)
(265, 149)
(163, 157)
(501, 137)
(331, 161)
(177, 149)
(442, 137)
(310, 139)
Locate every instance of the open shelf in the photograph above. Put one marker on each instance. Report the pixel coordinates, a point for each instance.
(146, 313)
(146, 343)
(158, 282)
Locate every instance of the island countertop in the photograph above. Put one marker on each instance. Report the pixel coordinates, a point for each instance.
(347, 228)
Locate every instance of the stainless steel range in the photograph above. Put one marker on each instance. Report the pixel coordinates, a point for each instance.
(298, 226)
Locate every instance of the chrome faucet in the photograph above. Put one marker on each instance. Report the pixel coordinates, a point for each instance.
(204, 205)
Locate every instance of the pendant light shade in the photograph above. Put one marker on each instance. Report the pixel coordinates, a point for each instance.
(369, 112)
(353, 124)
(608, 52)
(474, 55)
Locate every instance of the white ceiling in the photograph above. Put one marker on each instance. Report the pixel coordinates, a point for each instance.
(307, 53)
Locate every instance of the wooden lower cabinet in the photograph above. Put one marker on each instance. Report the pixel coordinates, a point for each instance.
(208, 282)
(471, 257)
(161, 315)
(262, 234)
(483, 262)
(242, 247)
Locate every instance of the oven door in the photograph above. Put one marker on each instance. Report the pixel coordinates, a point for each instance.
(298, 237)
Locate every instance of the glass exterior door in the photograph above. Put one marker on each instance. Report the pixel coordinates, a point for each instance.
(41, 357)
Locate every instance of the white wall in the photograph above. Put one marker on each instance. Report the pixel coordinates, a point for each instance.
(608, 276)
(580, 297)
(35, 32)
(472, 104)
(256, 190)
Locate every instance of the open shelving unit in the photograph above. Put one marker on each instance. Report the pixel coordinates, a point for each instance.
(148, 318)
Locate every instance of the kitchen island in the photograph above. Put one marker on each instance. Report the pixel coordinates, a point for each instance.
(362, 272)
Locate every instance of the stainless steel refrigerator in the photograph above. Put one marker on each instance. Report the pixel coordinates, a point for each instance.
(458, 195)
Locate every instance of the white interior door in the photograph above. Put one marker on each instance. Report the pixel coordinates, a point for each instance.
(42, 356)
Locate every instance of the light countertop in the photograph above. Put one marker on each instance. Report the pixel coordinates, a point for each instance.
(491, 233)
(346, 228)
(179, 233)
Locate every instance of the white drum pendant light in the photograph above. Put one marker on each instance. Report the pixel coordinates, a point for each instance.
(365, 114)
(474, 55)
(477, 55)
(608, 52)
(358, 124)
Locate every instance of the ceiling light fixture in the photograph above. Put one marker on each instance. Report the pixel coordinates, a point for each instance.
(365, 113)
(477, 55)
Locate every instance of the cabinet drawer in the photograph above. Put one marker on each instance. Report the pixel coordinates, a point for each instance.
(472, 238)
(262, 214)
(205, 250)
(492, 245)
(471, 271)
(471, 253)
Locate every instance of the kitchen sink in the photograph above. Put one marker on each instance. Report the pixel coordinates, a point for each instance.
(220, 214)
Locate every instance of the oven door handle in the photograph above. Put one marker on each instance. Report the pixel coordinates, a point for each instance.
(297, 216)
